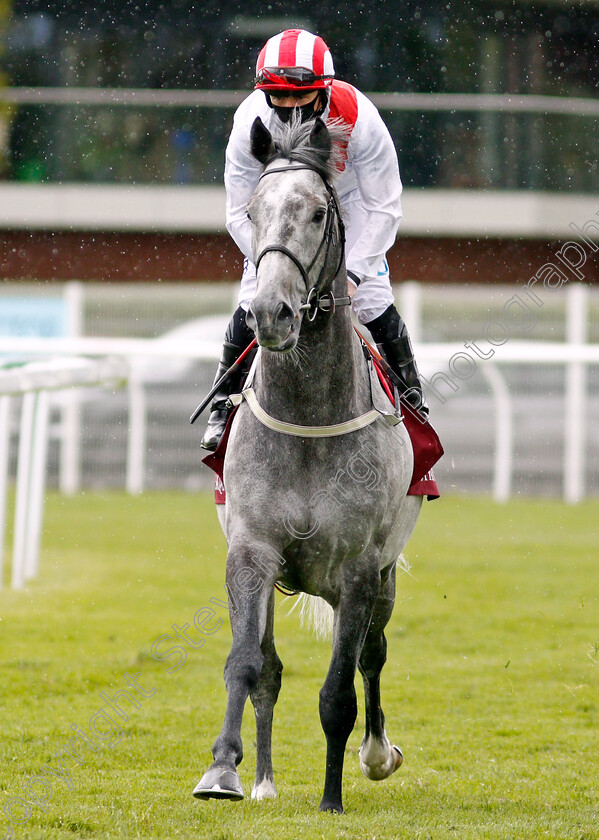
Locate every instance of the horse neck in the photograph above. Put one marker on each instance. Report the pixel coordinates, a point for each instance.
(319, 383)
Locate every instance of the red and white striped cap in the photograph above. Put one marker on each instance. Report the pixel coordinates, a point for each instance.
(294, 60)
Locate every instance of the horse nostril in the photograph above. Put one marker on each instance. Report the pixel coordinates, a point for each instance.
(250, 318)
(284, 315)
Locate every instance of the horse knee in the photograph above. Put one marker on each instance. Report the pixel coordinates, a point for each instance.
(244, 668)
(275, 674)
(273, 667)
(269, 684)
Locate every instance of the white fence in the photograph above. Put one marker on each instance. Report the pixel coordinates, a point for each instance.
(34, 382)
(72, 365)
(422, 102)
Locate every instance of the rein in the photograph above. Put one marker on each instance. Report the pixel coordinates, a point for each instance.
(314, 300)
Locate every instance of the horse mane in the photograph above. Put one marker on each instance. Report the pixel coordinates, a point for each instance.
(292, 142)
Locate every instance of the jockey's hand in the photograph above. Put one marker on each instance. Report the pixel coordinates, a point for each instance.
(351, 287)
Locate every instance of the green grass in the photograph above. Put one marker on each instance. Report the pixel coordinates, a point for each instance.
(491, 686)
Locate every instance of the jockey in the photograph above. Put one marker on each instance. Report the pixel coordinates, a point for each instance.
(294, 73)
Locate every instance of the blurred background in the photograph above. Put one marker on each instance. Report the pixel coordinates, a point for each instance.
(114, 117)
(480, 46)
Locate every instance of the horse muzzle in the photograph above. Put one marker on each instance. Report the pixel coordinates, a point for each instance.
(276, 326)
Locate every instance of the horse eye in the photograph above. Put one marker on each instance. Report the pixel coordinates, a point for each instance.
(318, 216)
(248, 215)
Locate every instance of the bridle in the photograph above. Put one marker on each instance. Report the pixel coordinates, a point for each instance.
(315, 301)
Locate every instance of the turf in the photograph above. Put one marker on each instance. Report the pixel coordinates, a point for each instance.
(491, 686)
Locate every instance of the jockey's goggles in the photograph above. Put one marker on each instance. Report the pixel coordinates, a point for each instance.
(292, 77)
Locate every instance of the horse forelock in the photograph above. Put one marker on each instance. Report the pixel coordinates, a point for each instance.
(292, 142)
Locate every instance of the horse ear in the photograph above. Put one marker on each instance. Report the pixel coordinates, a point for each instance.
(261, 144)
(320, 138)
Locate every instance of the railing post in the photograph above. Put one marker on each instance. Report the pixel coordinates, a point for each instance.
(70, 411)
(4, 466)
(410, 308)
(575, 396)
(504, 434)
(37, 484)
(23, 489)
(136, 441)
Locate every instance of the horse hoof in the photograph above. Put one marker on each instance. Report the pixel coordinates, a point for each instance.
(378, 767)
(331, 807)
(398, 758)
(217, 783)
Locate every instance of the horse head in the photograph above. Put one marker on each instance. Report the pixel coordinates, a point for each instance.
(297, 229)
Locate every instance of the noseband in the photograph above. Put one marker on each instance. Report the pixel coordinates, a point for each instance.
(314, 300)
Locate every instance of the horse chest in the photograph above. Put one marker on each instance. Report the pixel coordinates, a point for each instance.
(339, 490)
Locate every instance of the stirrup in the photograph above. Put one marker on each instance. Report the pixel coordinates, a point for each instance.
(414, 396)
(217, 423)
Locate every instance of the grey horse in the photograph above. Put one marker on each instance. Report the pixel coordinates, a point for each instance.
(327, 516)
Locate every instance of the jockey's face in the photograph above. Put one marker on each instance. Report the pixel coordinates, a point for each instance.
(306, 106)
(292, 101)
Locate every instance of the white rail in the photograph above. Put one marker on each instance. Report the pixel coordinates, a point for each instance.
(124, 347)
(512, 352)
(93, 361)
(173, 98)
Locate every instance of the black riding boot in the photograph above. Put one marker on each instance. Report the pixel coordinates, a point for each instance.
(237, 337)
(392, 339)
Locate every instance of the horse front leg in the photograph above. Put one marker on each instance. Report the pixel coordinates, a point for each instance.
(338, 706)
(378, 757)
(249, 583)
(264, 698)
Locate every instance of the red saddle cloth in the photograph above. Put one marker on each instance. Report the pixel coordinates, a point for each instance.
(425, 443)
